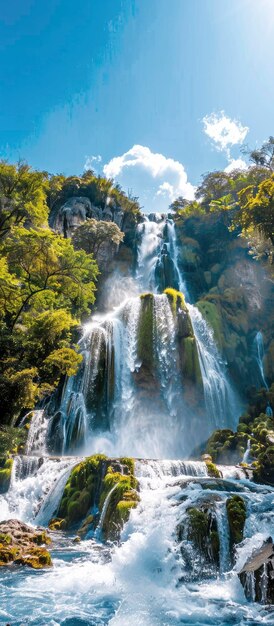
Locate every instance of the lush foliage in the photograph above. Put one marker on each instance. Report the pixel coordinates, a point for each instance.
(93, 234)
(47, 282)
(246, 196)
(101, 192)
(22, 197)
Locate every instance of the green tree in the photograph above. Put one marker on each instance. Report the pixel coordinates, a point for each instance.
(256, 210)
(92, 234)
(22, 197)
(50, 271)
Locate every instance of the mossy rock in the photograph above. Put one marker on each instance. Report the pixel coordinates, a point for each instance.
(212, 470)
(190, 361)
(202, 531)
(57, 523)
(36, 558)
(236, 514)
(87, 488)
(176, 300)
(80, 490)
(23, 545)
(123, 498)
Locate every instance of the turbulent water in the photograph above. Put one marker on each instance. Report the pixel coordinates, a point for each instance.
(155, 577)
(145, 581)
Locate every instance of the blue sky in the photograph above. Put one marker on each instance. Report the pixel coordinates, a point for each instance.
(171, 88)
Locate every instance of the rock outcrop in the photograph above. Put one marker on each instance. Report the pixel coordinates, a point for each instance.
(257, 575)
(22, 545)
(99, 494)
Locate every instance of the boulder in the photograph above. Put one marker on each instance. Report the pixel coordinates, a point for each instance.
(23, 545)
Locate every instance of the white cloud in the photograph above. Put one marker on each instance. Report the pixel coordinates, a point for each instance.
(236, 164)
(154, 178)
(224, 131)
(91, 162)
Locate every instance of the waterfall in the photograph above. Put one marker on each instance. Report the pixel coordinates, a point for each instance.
(221, 402)
(165, 348)
(173, 250)
(119, 404)
(151, 235)
(258, 350)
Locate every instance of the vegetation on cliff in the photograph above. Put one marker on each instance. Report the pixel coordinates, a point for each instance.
(255, 426)
(245, 196)
(47, 281)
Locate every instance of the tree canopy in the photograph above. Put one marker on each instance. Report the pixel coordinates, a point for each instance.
(92, 234)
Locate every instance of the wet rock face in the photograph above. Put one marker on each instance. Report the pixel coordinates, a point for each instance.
(257, 575)
(236, 514)
(78, 209)
(22, 545)
(73, 213)
(199, 540)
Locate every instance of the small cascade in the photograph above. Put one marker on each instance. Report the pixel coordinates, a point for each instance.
(99, 529)
(36, 442)
(224, 535)
(148, 468)
(165, 348)
(258, 350)
(173, 250)
(33, 482)
(221, 402)
(246, 457)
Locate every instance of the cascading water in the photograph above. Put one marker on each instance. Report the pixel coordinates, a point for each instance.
(36, 486)
(221, 402)
(151, 579)
(258, 350)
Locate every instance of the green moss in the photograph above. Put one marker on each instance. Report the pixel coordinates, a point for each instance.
(87, 486)
(176, 299)
(36, 558)
(190, 360)
(129, 462)
(80, 489)
(5, 539)
(212, 316)
(57, 524)
(212, 470)
(236, 514)
(197, 527)
(123, 498)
